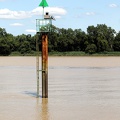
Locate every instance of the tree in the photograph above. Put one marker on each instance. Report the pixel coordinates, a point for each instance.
(80, 41)
(25, 43)
(102, 45)
(106, 33)
(116, 43)
(53, 39)
(6, 43)
(98, 38)
(91, 48)
(102, 36)
(4, 47)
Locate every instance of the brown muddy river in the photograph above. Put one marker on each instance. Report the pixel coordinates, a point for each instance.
(80, 88)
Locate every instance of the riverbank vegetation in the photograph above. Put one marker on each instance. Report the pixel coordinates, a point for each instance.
(98, 40)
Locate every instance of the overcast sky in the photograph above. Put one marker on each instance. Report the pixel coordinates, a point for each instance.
(19, 16)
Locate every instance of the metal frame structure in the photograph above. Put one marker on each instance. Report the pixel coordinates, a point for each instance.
(43, 25)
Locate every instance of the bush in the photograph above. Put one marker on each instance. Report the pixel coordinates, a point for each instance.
(91, 49)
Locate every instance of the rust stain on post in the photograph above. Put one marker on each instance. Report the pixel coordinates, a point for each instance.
(44, 65)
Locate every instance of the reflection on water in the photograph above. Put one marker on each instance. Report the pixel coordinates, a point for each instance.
(44, 111)
(80, 88)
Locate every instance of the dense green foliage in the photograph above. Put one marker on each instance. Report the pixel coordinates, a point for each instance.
(97, 40)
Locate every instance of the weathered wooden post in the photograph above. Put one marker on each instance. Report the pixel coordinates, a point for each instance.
(44, 26)
(44, 65)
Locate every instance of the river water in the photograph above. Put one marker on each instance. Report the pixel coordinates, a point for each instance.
(80, 88)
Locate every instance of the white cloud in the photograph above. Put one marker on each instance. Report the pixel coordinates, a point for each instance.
(9, 14)
(16, 24)
(55, 11)
(90, 13)
(113, 5)
(57, 17)
(30, 31)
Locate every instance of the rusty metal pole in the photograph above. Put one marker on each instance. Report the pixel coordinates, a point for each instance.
(44, 65)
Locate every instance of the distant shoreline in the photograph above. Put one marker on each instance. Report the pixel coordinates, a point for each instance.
(71, 53)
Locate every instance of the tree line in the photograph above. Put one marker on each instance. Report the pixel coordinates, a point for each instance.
(97, 39)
